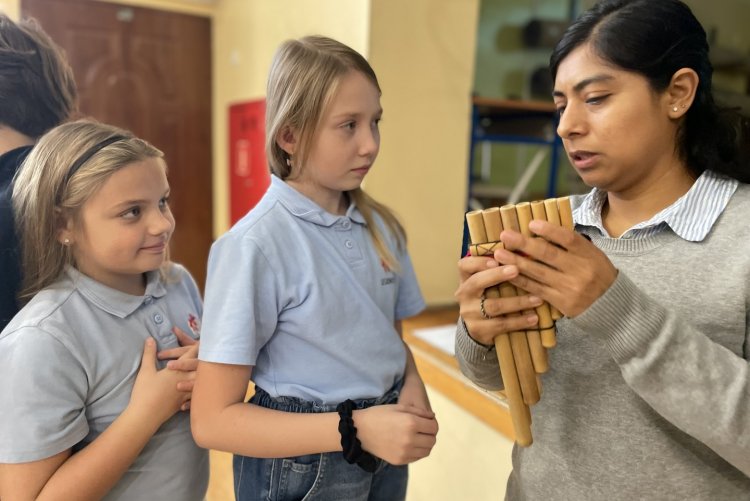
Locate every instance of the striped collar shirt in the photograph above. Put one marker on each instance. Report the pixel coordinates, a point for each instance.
(690, 217)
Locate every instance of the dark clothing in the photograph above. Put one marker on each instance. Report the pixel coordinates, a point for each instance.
(10, 257)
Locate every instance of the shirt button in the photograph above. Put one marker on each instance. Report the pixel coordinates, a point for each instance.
(148, 300)
(158, 318)
(348, 244)
(345, 224)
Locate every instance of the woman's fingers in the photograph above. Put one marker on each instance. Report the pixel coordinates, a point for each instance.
(473, 285)
(495, 307)
(471, 265)
(558, 235)
(485, 331)
(568, 271)
(537, 249)
(529, 268)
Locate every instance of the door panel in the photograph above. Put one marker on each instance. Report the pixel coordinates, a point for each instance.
(147, 71)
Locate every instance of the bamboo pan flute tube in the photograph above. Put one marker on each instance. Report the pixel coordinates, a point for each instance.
(534, 337)
(519, 411)
(566, 213)
(525, 366)
(553, 216)
(522, 355)
(546, 322)
(521, 351)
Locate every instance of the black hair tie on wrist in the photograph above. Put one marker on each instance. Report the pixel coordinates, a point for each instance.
(352, 447)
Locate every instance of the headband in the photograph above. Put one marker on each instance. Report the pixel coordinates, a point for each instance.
(90, 153)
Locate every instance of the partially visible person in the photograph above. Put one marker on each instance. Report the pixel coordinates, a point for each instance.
(37, 92)
(648, 392)
(88, 412)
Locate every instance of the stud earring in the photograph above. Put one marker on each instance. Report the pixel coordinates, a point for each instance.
(674, 108)
(289, 162)
(66, 241)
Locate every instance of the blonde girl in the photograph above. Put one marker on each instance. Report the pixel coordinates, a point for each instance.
(86, 414)
(305, 296)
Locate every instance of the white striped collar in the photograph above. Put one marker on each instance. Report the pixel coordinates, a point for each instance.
(691, 216)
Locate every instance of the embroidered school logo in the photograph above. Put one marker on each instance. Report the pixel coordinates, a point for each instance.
(387, 269)
(385, 266)
(195, 325)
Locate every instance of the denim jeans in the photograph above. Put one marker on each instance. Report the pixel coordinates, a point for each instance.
(316, 477)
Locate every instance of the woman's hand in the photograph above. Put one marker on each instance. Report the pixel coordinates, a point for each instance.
(397, 433)
(476, 275)
(562, 267)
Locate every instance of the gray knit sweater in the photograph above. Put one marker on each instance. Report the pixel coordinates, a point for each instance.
(648, 394)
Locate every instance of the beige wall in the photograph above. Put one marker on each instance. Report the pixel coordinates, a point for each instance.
(10, 7)
(246, 34)
(198, 7)
(423, 53)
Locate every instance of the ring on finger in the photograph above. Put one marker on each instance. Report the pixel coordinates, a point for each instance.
(481, 308)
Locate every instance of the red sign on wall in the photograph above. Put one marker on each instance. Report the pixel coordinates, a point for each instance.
(248, 170)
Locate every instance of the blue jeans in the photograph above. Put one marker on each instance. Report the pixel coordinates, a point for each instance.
(316, 477)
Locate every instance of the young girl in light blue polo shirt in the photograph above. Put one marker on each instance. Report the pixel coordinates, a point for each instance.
(85, 412)
(305, 296)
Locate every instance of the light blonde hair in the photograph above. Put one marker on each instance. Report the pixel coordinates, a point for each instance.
(44, 198)
(302, 82)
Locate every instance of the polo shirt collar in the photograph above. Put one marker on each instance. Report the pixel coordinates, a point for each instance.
(111, 300)
(304, 208)
(691, 216)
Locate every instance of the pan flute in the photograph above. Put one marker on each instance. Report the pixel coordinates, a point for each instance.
(522, 354)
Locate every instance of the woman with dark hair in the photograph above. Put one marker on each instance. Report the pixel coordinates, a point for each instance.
(648, 395)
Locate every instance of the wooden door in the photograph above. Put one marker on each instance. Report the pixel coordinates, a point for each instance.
(147, 71)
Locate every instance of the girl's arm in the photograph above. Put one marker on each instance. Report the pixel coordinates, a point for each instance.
(92, 472)
(413, 392)
(221, 420)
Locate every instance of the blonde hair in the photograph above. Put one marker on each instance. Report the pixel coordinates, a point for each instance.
(46, 192)
(303, 79)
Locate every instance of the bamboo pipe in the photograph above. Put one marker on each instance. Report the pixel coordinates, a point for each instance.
(538, 352)
(546, 322)
(521, 353)
(553, 216)
(566, 213)
(519, 411)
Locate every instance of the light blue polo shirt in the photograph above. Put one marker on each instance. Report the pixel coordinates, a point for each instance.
(68, 361)
(301, 295)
